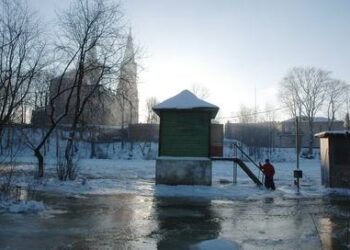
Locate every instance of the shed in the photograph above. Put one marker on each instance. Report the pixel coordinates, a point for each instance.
(335, 158)
(216, 140)
(184, 140)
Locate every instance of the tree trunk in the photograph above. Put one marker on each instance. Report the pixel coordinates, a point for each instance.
(311, 143)
(69, 154)
(40, 159)
(57, 144)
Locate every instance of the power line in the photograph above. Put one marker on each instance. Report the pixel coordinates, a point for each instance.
(255, 113)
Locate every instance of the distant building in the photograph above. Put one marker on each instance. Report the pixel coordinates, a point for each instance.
(278, 134)
(260, 134)
(286, 136)
(127, 94)
(105, 107)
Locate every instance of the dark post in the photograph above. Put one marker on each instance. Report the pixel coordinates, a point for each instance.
(297, 145)
(234, 170)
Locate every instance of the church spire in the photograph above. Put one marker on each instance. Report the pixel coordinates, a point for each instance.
(128, 85)
(129, 50)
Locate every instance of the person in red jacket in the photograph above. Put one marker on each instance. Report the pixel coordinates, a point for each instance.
(269, 172)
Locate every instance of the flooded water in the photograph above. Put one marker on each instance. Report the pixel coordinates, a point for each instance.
(139, 222)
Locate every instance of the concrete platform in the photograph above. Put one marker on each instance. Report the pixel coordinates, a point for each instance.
(183, 171)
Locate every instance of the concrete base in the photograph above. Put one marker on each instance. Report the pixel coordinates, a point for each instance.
(183, 171)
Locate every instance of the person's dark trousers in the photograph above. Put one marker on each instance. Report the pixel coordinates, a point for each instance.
(269, 183)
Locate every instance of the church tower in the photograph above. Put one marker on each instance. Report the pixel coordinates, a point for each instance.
(127, 87)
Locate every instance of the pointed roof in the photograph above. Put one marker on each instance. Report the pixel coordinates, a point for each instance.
(186, 100)
(129, 49)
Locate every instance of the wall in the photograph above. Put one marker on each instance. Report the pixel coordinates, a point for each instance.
(143, 132)
(184, 133)
(335, 161)
(216, 140)
(324, 161)
(183, 171)
(340, 162)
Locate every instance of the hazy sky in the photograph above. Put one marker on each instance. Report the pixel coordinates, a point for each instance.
(233, 48)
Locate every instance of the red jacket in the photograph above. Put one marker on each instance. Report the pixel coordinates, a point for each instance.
(268, 169)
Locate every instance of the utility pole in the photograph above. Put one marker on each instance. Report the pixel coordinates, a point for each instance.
(234, 170)
(297, 173)
(255, 108)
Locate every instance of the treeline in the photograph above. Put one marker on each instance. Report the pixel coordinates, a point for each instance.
(83, 57)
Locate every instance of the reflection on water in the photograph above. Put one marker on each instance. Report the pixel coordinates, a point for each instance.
(182, 223)
(334, 227)
(96, 222)
(142, 222)
(18, 193)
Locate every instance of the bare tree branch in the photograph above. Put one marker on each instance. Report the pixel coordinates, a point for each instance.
(303, 91)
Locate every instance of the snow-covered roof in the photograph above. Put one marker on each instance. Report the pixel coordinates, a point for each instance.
(185, 100)
(336, 133)
(316, 119)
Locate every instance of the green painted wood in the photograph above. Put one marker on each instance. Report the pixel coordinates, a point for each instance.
(185, 134)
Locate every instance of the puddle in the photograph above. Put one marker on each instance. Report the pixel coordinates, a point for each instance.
(129, 221)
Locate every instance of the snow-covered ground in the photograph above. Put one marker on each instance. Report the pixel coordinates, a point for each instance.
(107, 177)
(118, 175)
(97, 176)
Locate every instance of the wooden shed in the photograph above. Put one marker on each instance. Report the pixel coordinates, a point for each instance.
(185, 132)
(335, 158)
(216, 140)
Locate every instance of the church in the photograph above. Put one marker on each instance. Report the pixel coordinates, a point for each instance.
(116, 107)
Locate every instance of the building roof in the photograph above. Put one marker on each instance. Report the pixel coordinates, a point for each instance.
(186, 100)
(338, 133)
(316, 119)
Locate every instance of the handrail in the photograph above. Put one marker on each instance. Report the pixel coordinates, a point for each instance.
(243, 166)
(248, 157)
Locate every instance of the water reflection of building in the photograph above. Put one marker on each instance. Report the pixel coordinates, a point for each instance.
(334, 225)
(183, 223)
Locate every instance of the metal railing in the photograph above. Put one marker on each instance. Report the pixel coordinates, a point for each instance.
(251, 160)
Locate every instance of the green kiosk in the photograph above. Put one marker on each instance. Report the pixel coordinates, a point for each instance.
(184, 140)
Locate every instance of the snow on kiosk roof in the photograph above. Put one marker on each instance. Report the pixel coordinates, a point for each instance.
(326, 134)
(186, 100)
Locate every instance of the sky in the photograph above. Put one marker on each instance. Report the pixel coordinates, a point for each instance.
(239, 50)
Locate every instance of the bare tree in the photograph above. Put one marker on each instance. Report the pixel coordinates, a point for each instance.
(245, 114)
(200, 91)
(246, 124)
(21, 57)
(90, 45)
(302, 90)
(152, 117)
(270, 121)
(335, 98)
